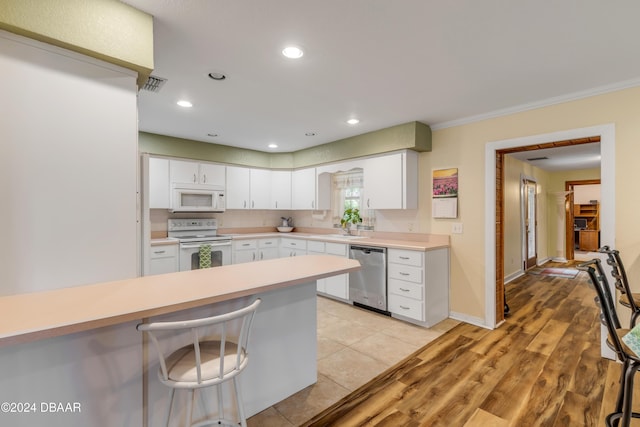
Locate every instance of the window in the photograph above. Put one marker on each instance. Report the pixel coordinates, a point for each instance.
(347, 189)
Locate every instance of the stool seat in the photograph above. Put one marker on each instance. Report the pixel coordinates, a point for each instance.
(181, 367)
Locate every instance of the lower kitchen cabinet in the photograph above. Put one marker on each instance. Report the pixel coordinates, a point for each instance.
(334, 286)
(268, 248)
(418, 285)
(245, 251)
(292, 247)
(163, 259)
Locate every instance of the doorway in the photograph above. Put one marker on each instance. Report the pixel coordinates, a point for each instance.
(530, 222)
(494, 213)
(571, 231)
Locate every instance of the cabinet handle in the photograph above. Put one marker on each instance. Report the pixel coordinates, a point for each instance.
(404, 257)
(313, 204)
(244, 203)
(404, 308)
(204, 178)
(254, 256)
(276, 204)
(261, 255)
(403, 274)
(252, 204)
(404, 290)
(245, 244)
(268, 243)
(195, 178)
(293, 244)
(159, 252)
(368, 202)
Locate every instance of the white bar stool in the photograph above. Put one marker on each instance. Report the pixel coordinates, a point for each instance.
(206, 362)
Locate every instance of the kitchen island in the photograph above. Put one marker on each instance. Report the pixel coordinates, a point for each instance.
(85, 336)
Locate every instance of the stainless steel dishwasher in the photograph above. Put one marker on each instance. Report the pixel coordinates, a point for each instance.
(368, 286)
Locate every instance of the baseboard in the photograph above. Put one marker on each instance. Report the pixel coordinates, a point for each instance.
(513, 276)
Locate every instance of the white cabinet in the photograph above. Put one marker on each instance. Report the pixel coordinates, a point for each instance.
(334, 286)
(280, 190)
(248, 188)
(186, 172)
(158, 183)
(255, 250)
(163, 259)
(268, 248)
(391, 181)
(260, 188)
(238, 193)
(418, 285)
(245, 251)
(303, 189)
(292, 247)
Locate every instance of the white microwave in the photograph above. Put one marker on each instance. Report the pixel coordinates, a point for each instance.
(197, 198)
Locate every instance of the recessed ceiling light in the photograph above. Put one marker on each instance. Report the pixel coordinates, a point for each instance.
(272, 145)
(292, 52)
(184, 103)
(353, 121)
(310, 134)
(217, 76)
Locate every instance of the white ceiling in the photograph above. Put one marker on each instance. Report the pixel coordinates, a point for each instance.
(385, 62)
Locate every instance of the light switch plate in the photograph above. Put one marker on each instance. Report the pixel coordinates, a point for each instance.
(456, 228)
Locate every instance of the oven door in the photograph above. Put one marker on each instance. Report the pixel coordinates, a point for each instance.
(190, 254)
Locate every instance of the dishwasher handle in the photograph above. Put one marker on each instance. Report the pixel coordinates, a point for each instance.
(368, 249)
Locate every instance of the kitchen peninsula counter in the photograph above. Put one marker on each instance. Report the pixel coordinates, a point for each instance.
(40, 315)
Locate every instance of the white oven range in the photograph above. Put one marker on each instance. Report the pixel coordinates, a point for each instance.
(192, 235)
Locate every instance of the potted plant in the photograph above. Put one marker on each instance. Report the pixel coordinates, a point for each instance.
(349, 217)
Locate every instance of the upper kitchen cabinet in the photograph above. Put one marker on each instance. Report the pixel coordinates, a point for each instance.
(280, 190)
(303, 189)
(158, 183)
(391, 181)
(185, 172)
(260, 188)
(248, 188)
(238, 193)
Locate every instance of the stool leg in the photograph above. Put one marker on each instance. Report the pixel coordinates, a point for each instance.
(220, 402)
(239, 404)
(189, 407)
(173, 392)
(628, 395)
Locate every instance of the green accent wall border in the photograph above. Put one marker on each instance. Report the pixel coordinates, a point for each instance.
(108, 30)
(410, 136)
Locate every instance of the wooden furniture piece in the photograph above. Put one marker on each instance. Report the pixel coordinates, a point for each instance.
(206, 362)
(589, 238)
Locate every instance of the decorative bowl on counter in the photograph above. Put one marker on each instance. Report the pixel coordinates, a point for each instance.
(285, 229)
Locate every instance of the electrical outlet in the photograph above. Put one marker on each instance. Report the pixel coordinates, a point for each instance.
(456, 228)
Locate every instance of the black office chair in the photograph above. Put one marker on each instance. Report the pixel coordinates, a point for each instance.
(630, 361)
(627, 298)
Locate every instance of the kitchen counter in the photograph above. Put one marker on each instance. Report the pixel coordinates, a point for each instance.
(164, 241)
(34, 316)
(387, 241)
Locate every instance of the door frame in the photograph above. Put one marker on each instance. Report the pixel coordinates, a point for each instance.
(494, 244)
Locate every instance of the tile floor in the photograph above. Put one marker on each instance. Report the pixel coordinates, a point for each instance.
(354, 345)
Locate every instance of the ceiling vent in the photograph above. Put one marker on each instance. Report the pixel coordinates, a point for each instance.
(537, 158)
(154, 84)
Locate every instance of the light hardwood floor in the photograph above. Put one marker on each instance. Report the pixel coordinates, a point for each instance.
(541, 368)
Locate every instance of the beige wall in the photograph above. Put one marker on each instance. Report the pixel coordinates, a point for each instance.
(463, 147)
